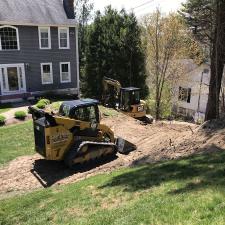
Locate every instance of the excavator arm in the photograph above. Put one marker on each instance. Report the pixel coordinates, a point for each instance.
(111, 91)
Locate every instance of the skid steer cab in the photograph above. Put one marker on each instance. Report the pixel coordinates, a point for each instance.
(74, 135)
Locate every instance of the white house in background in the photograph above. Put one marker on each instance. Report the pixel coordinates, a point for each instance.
(191, 93)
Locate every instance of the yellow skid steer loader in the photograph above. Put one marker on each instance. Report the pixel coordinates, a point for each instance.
(75, 135)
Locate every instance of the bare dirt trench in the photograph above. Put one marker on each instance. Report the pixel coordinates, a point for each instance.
(154, 142)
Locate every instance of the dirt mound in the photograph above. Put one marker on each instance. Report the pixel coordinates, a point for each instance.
(208, 138)
(159, 141)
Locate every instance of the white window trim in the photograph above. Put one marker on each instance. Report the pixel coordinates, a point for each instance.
(49, 37)
(69, 71)
(68, 37)
(42, 73)
(7, 92)
(17, 38)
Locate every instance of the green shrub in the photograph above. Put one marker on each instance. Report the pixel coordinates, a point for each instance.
(21, 115)
(55, 106)
(42, 103)
(2, 120)
(28, 110)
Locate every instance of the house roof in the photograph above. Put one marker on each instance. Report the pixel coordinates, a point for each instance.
(34, 12)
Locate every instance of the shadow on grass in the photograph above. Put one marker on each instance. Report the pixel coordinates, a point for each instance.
(207, 169)
(50, 172)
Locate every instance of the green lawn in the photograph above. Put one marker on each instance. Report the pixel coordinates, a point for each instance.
(5, 108)
(16, 140)
(188, 191)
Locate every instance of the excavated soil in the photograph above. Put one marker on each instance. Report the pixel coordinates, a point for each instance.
(156, 142)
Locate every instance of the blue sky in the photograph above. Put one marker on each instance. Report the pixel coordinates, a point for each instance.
(165, 5)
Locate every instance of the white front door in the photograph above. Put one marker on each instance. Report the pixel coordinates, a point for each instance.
(12, 78)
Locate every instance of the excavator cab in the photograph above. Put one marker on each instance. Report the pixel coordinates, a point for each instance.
(128, 97)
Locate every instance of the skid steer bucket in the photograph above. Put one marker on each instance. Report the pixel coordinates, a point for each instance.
(124, 146)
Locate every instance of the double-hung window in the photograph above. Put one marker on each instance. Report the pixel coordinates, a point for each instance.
(46, 73)
(184, 94)
(65, 72)
(63, 33)
(44, 37)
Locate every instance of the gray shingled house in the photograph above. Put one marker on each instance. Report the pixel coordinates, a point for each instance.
(38, 48)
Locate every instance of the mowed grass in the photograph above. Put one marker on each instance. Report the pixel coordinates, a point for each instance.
(188, 191)
(16, 140)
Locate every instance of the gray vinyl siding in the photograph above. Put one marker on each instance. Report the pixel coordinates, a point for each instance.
(31, 54)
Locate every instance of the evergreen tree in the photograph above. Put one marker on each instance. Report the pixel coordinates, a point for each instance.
(114, 50)
(83, 14)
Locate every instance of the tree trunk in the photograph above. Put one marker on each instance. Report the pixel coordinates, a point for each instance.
(157, 109)
(212, 110)
(217, 63)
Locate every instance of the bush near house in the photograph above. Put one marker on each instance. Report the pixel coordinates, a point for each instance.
(2, 120)
(42, 103)
(21, 115)
(55, 106)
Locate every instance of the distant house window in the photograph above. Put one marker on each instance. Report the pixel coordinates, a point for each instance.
(185, 94)
(9, 38)
(65, 73)
(46, 73)
(44, 37)
(63, 33)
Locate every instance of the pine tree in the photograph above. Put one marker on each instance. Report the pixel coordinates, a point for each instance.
(114, 50)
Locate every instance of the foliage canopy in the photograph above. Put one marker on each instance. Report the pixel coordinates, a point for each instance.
(114, 49)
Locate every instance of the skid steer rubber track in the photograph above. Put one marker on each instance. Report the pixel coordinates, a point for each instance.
(84, 151)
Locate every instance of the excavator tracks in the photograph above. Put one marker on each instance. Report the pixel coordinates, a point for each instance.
(85, 151)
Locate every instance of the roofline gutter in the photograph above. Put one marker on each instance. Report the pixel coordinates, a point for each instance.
(37, 24)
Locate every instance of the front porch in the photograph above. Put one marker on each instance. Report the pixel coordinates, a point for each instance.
(15, 97)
